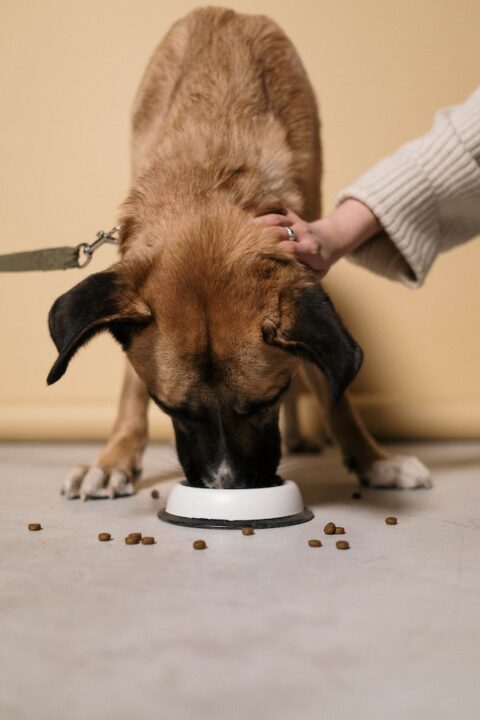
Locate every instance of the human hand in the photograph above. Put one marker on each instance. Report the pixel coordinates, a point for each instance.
(321, 243)
(311, 245)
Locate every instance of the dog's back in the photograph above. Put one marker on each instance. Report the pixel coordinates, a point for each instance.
(227, 94)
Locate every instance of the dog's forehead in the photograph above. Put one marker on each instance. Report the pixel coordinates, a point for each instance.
(179, 374)
(244, 367)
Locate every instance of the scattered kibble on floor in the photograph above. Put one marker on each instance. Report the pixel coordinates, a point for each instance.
(248, 531)
(147, 540)
(199, 544)
(329, 528)
(342, 545)
(129, 540)
(314, 543)
(155, 494)
(34, 526)
(104, 537)
(339, 530)
(391, 520)
(136, 535)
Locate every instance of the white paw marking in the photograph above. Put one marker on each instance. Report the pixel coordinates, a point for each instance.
(398, 471)
(95, 482)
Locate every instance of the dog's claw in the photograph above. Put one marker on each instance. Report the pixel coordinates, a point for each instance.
(119, 484)
(73, 481)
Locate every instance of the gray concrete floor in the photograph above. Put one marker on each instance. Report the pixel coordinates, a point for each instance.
(260, 627)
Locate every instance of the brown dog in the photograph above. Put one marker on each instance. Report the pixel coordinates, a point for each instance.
(216, 320)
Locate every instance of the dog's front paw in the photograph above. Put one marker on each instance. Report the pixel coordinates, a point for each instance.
(87, 481)
(398, 471)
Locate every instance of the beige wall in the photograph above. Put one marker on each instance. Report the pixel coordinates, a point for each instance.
(380, 68)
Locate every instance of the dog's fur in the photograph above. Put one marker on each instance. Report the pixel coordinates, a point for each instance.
(215, 320)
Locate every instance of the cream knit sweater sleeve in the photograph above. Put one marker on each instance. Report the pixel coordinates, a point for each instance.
(426, 196)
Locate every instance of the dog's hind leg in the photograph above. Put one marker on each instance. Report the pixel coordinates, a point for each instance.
(372, 464)
(294, 440)
(114, 472)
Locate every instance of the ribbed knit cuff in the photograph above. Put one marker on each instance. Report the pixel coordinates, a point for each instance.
(426, 196)
(466, 121)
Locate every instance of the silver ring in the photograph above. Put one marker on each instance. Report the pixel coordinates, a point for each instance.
(292, 235)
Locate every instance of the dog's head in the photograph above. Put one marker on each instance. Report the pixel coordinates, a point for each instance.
(215, 327)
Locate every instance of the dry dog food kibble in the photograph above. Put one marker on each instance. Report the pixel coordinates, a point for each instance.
(34, 526)
(131, 540)
(147, 540)
(315, 543)
(342, 545)
(199, 544)
(356, 495)
(155, 494)
(329, 529)
(339, 531)
(104, 537)
(391, 520)
(135, 536)
(247, 531)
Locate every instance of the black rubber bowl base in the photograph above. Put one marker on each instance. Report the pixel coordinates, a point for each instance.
(296, 519)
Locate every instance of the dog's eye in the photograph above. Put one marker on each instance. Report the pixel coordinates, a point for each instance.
(182, 413)
(256, 407)
(251, 411)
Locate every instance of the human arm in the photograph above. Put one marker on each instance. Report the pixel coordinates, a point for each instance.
(426, 196)
(406, 209)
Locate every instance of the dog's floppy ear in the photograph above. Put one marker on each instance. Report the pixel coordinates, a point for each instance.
(310, 327)
(102, 301)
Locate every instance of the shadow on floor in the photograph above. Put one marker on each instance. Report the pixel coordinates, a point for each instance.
(153, 480)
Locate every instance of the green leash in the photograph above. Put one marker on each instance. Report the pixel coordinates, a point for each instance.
(59, 258)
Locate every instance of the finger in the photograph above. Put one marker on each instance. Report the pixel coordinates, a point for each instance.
(270, 220)
(289, 246)
(311, 261)
(301, 250)
(292, 217)
(305, 256)
(281, 234)
(286, 231)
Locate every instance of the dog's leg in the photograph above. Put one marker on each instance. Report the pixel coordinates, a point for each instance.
(292, 436)
(291, 426)
(114, 473)
(361, 453)
(293, 439)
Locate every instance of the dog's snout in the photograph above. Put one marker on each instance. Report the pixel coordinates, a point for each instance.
(217, 455)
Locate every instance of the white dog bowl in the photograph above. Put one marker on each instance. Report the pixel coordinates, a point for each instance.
(218, 508)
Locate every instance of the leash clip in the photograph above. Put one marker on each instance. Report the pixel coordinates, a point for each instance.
(86, 250)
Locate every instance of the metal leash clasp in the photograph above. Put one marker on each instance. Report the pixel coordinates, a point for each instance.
(86, 250)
